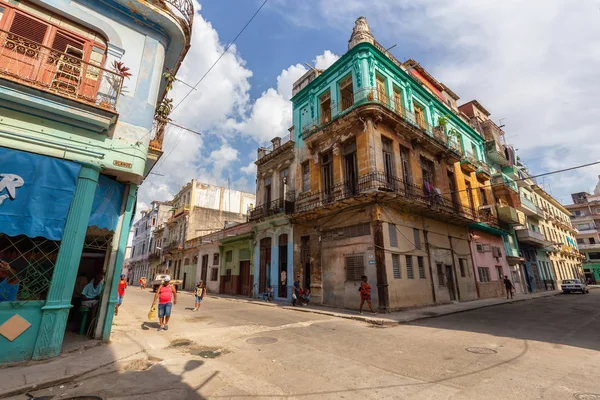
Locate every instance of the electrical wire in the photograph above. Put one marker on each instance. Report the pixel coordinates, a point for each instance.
(222, 54)
(208, 71)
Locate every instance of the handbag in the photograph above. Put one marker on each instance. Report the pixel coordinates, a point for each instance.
(152, 314)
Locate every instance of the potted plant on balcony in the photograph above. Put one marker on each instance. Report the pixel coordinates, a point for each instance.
(115, 81)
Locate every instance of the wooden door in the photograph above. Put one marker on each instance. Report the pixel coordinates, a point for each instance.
(450, 282)
(245, 287)
(265, 260)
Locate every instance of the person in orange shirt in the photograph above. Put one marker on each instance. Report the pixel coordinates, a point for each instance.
(365, 294)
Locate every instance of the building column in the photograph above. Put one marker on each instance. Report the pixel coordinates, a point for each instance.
(382, 281)
(256, 268)
(112, 280)
(58, 303)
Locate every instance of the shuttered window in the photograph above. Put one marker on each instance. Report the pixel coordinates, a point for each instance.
(28, 28)
(393, 235)
(396, 266)
(62, 41)
(417, 237)
(461, 263)
(355, 267)
(409, 268)
(421, 267)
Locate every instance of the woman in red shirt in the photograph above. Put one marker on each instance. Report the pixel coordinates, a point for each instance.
(365, 294)
(120, 293)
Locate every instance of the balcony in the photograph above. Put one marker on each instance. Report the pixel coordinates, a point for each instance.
(63, 74)
(510, 215)
(172, 247)
(483, 172)
(495, 152)
(589, 231)
(468, 163)
(512, 255)
(385, 189)
(501, 181)
(589, 246)
(531, 237)
(181, 10)
(368, 101)
(530, 209)
(154, 256)
(275, 207)
(181, 210)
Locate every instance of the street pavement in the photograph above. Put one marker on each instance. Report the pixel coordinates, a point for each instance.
(545, 348)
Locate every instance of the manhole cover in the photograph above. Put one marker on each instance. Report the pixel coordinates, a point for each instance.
(262, 340)
(480, 350)
(587, 396)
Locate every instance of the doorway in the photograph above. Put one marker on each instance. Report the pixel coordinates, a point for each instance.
(204, 271)
(450, 282)
(245, 287)
(350, 168)
(265, 260)
(283, 268)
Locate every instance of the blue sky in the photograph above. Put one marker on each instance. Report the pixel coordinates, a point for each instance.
(532, 64)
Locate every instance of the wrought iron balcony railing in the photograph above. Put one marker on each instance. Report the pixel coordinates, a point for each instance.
(378, 182)
(180, 9)
(274, 207)
(64, 74)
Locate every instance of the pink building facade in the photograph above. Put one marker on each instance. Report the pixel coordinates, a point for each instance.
(489, 264)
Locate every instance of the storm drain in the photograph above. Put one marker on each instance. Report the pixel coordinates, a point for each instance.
(481, 350)
(587, 396)
(262, 340)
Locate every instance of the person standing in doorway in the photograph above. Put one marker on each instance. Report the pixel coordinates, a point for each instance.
(365, 294)
(120, 293)
(509, 287)
(166, 296)
(200, 292)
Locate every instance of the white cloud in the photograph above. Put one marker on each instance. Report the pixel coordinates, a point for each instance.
(532, 63)
(324, 61)
(222, 158)
(286, 79)
(249, 169)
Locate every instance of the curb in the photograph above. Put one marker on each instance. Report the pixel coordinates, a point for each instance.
(382, 321)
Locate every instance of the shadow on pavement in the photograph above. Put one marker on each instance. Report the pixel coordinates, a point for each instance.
(571, 320)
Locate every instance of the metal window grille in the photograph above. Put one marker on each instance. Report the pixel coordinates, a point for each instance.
(484, 274)
(409, 268)
(214, 274)
(355, 267)
(421, 267)
(229, 256)
(393, 235)
(441, 277)
(348, 232)
(31, 264)
(216, 259)
(396, 266)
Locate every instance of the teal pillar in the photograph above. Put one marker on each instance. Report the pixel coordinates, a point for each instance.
(123, 235)
(58, 303)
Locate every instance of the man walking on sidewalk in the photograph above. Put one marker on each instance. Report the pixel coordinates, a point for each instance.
(166, 296)
(509, 287)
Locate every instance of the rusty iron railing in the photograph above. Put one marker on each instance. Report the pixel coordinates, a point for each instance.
(180, 9)
(64, 74)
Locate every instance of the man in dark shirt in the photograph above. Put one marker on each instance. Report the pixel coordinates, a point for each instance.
(509, 287)
(296, 295)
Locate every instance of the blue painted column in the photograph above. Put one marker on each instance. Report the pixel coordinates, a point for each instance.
(58, 303)
(114, 280)
(274, 273)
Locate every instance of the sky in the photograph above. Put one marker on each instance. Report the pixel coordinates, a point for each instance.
(533, 65)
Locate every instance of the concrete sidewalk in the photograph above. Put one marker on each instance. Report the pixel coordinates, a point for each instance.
(64, 368)
(399, 317)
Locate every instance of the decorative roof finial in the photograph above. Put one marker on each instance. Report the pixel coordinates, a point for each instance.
(361, 33)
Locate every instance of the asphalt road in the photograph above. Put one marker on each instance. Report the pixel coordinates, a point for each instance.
(538, 349)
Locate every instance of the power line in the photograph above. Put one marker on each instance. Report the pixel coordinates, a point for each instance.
(206, 73)
(221, 56)
(533, 176)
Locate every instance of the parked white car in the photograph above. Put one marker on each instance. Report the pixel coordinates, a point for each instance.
(574, 285)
